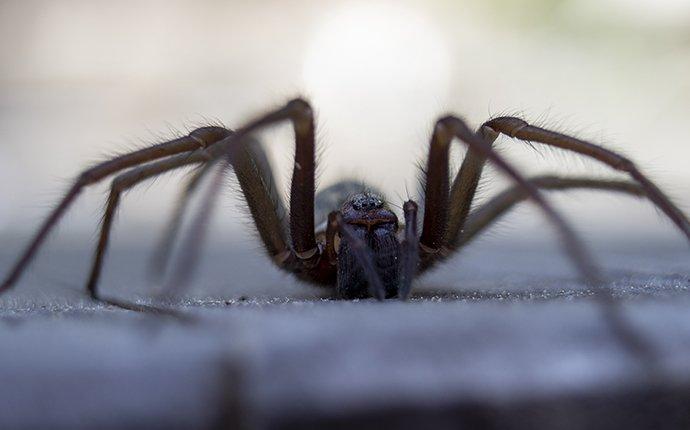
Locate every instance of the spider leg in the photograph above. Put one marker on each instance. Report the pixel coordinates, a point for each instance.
(303, 257)
(122, 183)
(464, 189)
(436, 199)
(487, 214)
(435, 193)
(410, 250)
(629, 338)
(256, 180)
(201, 137)
(517, 128)
(161, 255)
(267, 210)
(260, 201)
(255, 177)
(196, 234)
(136, 307)
(302, 187)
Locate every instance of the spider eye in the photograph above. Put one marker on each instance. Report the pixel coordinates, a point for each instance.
(364, 202)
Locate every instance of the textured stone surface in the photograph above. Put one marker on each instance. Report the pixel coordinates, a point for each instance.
(511, 340)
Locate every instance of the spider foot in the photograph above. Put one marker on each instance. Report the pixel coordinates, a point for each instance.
(145, 309)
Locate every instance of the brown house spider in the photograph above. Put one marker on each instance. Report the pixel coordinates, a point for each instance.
(361, 250)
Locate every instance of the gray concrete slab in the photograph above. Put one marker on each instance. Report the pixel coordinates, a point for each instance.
(503, 337)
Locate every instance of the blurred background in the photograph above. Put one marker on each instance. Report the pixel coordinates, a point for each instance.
(80, 80)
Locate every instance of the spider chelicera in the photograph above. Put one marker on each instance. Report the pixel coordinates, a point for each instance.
(360, 248)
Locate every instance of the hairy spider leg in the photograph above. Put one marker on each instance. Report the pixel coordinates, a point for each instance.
(466, 181)
(257, 183)
(255, 178)
(437, 192)
(628, 337)
(260, 201)
(302, 189)
(488, 213)
(303, 258)
(124, 182)
(161, 256)
(519, 129)
(463, 191)
(190, 254)
(410, 250)
(201, 137)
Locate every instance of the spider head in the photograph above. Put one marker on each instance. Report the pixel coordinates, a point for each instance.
(368, 210)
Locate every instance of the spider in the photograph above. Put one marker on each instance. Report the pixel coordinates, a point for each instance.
(360, 248)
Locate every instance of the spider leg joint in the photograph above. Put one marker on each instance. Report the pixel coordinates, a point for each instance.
(206, 135)
(508, 125)
(302, 115)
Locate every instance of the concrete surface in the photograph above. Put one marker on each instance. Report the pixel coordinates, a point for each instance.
(501, 337)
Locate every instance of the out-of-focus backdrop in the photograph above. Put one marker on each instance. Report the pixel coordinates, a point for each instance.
(83, 79)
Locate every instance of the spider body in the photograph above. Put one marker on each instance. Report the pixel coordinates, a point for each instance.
(375, 226)
(360, 248)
